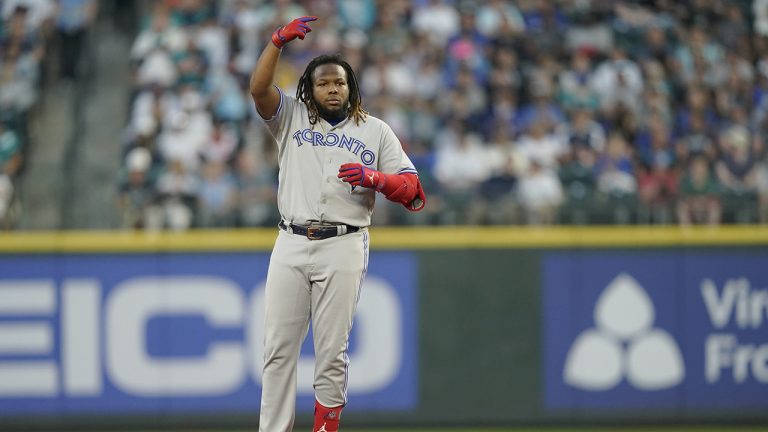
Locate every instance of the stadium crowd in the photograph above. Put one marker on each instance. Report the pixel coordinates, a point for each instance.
(30, 30)
(524, 112)
(22, 47)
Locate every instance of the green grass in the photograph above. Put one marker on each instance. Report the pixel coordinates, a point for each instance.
(719, 428)
(598, 429)
(725, 428)
(581, 429)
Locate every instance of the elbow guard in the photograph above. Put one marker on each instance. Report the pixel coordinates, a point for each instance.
(404, 189)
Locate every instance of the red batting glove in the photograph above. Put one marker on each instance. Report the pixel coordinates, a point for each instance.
(402, 188)
(297, 28)
(360, 175)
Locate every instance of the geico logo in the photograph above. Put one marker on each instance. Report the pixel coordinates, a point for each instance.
(110, 344)
(378, 351)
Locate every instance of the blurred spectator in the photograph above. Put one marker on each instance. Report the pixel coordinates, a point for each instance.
(736, 168)
(38, 14)
(137, 197)
(157, 68)
(360, 14)
(468, 99)
(541, 145)
(590, 31)
(188, 130)
(760, 12)
(431, 83)
(212, 41)
(438, 20)
(657, 94)
(498, 192)
(737, 172)
(762, 191)
(192, 65)
(10, 152)
(654, 146)
(19, 73)
(217, 196)
(6, 197)
(657, 190)
(545, 26)
(505, 71)
(698, 141)
(10, 163)
(160, 33)
(697, 103)
(656, 46)
(499, 203)
(468, 50)
(493, 14)
(72, 23)
(503, 111)
(279, 12)
(582, 131)
(733, 30)
(734, 85)
(614, 168)
(222, 144)
(577, 176)
(178, 189)
(618, 82)
(616, 179)
(386, 75)
(226, 96)
(389, 37)
(699, 195)
(540, 193)
(576, 91)
(698, 57)
(459, 170)
(17, 33)
(257, 189)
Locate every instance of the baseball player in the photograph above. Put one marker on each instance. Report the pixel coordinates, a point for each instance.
(333, 157)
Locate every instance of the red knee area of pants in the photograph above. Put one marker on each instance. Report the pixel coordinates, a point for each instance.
(326, 419)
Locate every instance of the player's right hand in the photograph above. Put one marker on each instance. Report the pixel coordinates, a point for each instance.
(297, 28)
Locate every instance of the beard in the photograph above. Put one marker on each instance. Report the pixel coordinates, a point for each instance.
(333, 115)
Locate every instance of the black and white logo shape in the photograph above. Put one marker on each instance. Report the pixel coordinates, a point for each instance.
(624, 343)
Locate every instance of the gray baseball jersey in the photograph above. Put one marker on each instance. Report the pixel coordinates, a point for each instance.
(310, 156)
(318, 280)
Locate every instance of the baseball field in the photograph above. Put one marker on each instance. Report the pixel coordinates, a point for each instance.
(724, 428)
(629, 429)
(620, 429)
(694, 428)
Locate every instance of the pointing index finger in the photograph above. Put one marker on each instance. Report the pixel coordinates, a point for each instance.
(308, 18)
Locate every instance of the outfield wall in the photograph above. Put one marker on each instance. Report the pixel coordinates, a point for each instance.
(455, 326)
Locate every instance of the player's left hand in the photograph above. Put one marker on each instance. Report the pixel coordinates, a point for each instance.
(360, 175)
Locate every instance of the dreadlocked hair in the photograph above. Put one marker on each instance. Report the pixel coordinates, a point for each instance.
(304, 91)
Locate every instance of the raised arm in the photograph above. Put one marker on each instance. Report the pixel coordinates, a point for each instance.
(264, 94)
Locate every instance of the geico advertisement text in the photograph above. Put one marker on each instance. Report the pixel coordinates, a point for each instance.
(154, 333)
